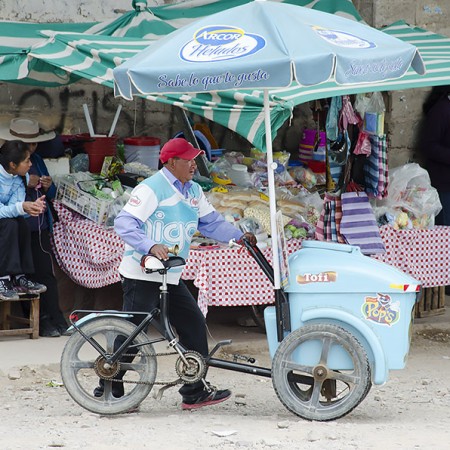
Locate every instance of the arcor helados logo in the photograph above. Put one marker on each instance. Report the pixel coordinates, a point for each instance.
(343, 39)
(221, 43)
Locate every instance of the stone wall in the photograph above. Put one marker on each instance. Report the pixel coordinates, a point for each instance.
(63, 107)
(66, 10)
(404, 107)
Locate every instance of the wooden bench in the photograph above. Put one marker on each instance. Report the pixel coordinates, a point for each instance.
(432, 302)
(9, 319)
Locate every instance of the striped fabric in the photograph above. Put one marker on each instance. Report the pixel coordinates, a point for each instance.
(152, 23)
(329, 223)
(376, 168)
(358, 224)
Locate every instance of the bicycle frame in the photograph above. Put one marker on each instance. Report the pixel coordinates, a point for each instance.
(325, 352)
(165, 328)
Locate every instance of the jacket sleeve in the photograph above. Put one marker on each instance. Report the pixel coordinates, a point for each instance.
(42, 169)
(14, 207)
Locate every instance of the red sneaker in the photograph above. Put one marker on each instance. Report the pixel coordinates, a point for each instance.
(206, 398)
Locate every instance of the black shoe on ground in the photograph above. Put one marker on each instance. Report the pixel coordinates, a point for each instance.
(63, 330)
(7, 292)
(205, 398)
(25, 286)
(117, 389)
(46, 327)
(49, 332)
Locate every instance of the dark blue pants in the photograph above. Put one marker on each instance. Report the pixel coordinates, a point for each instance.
(184, 315)
(42, 252)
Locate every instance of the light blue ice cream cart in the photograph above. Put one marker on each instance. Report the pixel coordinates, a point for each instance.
(350, 322)
(341, 323)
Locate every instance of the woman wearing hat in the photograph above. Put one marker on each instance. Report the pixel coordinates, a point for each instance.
(40, 185)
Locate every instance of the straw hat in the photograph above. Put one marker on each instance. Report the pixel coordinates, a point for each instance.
(25, 130)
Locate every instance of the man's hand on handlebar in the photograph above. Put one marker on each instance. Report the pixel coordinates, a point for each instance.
(250, 238)
(161, 251)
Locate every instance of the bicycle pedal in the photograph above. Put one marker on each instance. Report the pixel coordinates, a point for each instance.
(218, 345)
(157, 395)
(224, 342)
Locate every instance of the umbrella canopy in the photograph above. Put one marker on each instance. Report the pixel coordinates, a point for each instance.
(265, 44)
(68, 57)
(262, 45)
(17, 38)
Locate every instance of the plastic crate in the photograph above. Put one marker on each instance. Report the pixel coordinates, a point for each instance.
(70, 195)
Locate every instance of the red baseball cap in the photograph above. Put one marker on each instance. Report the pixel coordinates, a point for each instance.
(178, 148)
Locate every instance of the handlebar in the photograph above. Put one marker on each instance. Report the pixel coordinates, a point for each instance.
(258, 256)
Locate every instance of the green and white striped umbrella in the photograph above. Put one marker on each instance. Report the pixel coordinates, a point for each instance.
(157, 21)
(67, 57)
(93, 57)
(16, 39)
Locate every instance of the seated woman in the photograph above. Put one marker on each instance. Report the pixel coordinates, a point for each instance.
(40, 185)
(16, 259)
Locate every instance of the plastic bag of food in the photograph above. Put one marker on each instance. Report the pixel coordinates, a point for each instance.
(410, 191)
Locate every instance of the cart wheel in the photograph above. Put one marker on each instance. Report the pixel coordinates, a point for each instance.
(81, 366)
(257, 313)
(306, 380)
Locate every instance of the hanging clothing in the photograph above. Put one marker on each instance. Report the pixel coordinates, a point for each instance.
(376, 168)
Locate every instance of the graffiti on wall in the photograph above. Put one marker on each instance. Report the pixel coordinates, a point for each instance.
(63, 110)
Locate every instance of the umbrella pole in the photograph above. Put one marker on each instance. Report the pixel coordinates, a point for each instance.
(281, 302)
(272, 201)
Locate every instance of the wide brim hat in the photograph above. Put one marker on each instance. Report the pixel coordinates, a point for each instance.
(25, 130)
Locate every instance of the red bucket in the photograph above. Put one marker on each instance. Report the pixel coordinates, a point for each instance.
(97, 148)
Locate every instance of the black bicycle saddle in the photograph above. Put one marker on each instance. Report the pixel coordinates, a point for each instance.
(151, 263)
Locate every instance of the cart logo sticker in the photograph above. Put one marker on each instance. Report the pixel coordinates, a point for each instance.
(381, 309)
(220, 43)
(343, 39)
(321, 277)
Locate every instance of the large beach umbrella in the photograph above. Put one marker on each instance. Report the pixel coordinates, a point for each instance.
(262, 45)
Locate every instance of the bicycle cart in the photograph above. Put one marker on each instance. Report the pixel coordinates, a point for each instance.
(341, 324)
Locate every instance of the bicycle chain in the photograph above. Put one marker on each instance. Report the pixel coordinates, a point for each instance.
(166, 383)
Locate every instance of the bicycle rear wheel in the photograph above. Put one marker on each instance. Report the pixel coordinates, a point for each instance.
(81, 366)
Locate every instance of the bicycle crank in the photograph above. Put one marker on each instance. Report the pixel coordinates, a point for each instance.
(194, 370)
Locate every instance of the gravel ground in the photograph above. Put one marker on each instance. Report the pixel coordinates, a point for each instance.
(411, 411)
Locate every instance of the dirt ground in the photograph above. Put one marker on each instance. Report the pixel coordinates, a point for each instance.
(410, 412)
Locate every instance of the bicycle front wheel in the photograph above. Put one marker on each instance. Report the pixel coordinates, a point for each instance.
(82, 366)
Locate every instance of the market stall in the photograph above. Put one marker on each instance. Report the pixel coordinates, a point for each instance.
(281, 102)
(90, 255)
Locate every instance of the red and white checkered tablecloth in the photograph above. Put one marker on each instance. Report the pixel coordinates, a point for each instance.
(90, 255)
(230, 277)
(423, 254)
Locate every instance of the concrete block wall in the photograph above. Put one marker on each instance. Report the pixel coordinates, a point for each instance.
(66, 10)
(404, 108)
